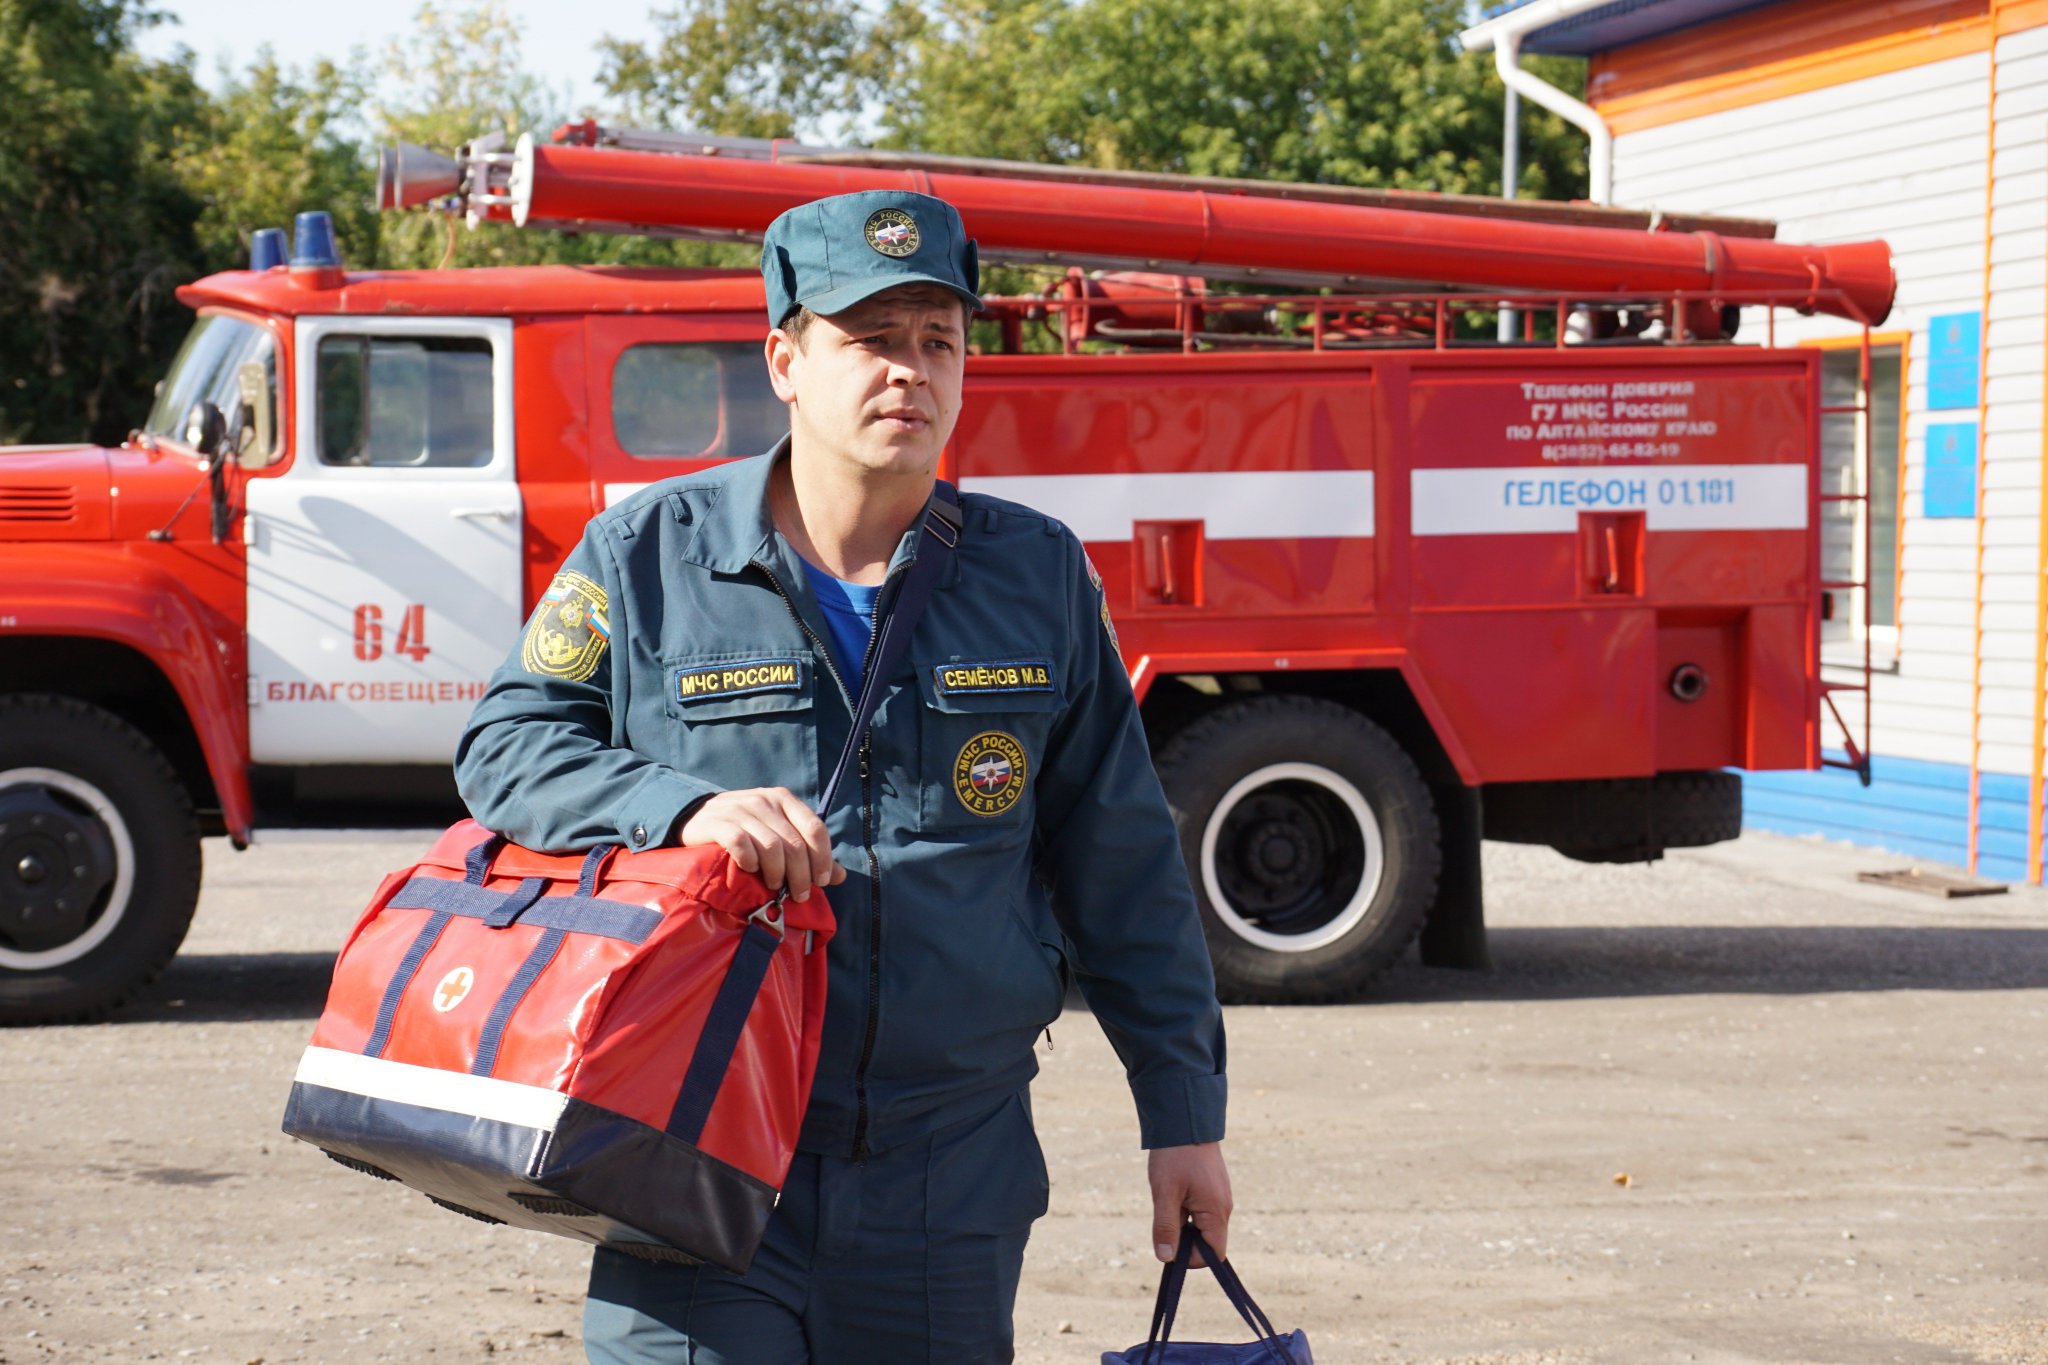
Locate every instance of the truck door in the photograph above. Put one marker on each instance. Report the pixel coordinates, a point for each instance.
(384, 562)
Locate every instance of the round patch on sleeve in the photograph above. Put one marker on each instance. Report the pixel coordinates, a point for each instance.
(989, 774)
(570, 630)
(892, 232)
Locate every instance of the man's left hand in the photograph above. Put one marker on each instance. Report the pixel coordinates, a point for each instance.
(1189, 1182)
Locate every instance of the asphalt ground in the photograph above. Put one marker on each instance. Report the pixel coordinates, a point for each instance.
(1731, 1108)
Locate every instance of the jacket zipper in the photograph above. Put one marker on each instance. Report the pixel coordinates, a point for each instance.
(867, 827)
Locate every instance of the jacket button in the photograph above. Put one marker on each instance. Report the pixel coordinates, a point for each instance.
(639, 834)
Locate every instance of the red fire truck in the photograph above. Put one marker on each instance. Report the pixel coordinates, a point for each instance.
(1384, 581)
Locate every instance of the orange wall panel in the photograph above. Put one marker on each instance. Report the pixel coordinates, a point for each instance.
(1785, 50)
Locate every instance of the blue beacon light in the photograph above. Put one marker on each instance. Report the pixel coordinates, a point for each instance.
(313, 245)
(266, 249)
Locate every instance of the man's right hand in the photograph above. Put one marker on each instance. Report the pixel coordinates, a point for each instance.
(769, 831)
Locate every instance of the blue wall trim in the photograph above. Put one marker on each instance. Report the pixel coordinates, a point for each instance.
(1911, 806)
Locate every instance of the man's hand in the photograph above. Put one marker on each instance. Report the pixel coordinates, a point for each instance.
(1189, 1182)
(769, 831)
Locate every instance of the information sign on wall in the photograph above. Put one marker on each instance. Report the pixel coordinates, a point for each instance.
(1954, 341)
(1951, 489)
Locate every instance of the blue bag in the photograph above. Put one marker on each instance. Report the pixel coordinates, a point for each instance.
(1272, 1348)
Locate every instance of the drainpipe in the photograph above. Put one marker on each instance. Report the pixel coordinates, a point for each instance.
(1510, 181)
(1504, 35)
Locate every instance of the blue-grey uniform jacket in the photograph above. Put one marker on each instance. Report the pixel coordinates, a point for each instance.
(1006, 830)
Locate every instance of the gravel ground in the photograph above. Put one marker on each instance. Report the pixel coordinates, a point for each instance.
(1731, 1108)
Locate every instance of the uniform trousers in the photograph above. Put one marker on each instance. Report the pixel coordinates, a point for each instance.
(910, 1256)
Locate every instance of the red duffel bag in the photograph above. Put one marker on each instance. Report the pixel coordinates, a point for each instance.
(616, 1047)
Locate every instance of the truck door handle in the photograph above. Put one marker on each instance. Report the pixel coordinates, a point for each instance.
(495, 513)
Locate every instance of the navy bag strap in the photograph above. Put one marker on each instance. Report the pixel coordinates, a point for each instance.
(727, 1017)
(1167, 1305)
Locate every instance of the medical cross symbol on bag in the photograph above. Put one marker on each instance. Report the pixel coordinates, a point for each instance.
(453, 988)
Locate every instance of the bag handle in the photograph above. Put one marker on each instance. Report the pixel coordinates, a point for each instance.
(941, 523)
(1174, 1276)
(476, 869)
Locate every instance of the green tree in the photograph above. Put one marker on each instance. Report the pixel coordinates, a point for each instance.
(1359, 92)
(96, 228)
(277, 142)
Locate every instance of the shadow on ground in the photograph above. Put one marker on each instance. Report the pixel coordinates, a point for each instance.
(1603, 963)
(234, 987)
(1529, 964)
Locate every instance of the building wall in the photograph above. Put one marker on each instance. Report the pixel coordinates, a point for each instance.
(1903, 155)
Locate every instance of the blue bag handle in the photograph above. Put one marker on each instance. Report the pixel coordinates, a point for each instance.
(1174, 1277)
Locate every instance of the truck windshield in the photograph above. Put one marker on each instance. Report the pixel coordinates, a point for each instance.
(207, 368)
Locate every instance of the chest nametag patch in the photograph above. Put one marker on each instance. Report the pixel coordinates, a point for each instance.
(703, 682)
(1008, 675)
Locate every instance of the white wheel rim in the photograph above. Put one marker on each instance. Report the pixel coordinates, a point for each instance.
(1360, 900)
(95, 800)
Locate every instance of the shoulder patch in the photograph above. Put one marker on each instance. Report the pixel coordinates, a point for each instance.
(700, 682)
(1006, 675)
(570, 630)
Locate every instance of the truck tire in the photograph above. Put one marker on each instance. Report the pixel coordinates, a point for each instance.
(1311, 842)
(99, 860)
(1618, 820)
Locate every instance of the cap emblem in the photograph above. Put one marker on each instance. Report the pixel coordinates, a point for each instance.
(892, 232)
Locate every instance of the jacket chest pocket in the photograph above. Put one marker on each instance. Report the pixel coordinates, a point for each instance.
(744, 718)
(982, 733)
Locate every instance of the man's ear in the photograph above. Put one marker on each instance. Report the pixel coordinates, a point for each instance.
(780, 352)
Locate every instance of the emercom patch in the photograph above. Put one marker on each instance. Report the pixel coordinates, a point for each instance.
(990, 772)
(1008, 675)
(701, 682)
(569, 631)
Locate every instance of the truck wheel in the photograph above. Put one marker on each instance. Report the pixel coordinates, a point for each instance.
(1618, 819)
(99, 860)
(1311, 841)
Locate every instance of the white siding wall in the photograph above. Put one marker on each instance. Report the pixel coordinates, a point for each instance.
(1902, 157)
(2012, 478)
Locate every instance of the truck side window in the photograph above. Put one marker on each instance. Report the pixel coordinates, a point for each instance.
(694, 400)
(405, 401)
(208, 368)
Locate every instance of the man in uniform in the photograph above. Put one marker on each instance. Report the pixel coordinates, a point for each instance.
(690, 678)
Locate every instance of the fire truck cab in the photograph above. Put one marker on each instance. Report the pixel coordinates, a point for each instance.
(1382, 584)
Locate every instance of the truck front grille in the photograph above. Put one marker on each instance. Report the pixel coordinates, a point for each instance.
(21, 502)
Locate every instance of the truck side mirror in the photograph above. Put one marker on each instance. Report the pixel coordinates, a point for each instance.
(255, 432)
(205, 428)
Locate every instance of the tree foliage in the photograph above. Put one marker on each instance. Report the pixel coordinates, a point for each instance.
(124, 177)
(96, 229)
(1358, 92)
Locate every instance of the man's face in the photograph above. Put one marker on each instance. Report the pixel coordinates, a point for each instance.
(877, 385)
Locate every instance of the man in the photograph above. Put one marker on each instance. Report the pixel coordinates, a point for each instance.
(1003, 815)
